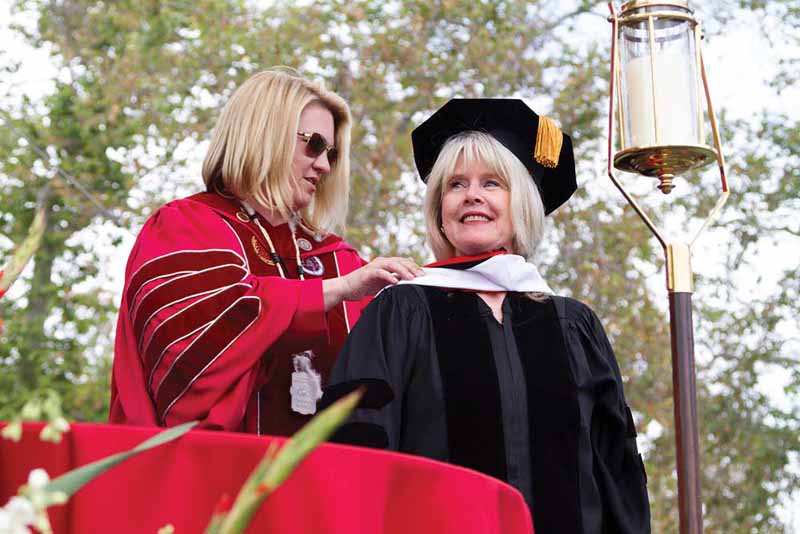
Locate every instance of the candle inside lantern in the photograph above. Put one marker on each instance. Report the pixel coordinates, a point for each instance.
(675, 101)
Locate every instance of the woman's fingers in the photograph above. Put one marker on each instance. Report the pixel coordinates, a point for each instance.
(402, 268)
(387, 276)
(373, 277)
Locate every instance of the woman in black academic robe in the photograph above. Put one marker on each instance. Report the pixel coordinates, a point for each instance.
(477, 363)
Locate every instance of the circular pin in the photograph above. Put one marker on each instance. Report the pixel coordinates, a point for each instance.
(303, 244)
(313, 266)
(242, 216)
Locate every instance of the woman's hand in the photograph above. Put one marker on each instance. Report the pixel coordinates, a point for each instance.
(368, 280)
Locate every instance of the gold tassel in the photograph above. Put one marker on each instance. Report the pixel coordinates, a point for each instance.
(548, 143)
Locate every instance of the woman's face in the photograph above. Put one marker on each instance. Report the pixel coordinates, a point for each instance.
(308, 170)
(476, 212)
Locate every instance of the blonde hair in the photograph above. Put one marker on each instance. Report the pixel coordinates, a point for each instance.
(527, 209)
(251, 151)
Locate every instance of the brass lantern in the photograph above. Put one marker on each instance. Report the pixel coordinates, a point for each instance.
(660, 88)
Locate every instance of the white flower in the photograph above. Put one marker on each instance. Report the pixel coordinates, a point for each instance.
(16, 515)
(52, 431)
(32, 411)
(21, 509)
(40, 497)
(48, 433)
(38, 478)
(60, 424)
(13, 431)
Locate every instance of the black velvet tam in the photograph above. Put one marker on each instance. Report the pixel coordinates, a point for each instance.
(510, 121)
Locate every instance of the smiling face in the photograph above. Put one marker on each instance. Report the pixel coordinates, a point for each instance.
(476, 212)
(307, 170)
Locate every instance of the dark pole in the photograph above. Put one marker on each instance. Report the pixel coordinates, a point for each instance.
(685, 405)
(684, 390)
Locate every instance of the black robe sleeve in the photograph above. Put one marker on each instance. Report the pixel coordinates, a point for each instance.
(387, 352)
(617, 467)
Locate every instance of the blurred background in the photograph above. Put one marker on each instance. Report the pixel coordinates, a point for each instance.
(105, 114)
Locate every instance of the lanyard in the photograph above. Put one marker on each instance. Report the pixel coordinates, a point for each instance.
(273, 254)
(306, 384)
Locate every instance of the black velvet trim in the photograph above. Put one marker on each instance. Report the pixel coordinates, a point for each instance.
(365, 434)
(631, 430)
(469, 382)
(377, 393)
(553, 414)
(641, 466)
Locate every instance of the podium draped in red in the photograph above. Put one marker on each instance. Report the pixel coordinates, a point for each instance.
(338, 489)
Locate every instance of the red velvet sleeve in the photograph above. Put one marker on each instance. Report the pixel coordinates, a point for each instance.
(194, 323)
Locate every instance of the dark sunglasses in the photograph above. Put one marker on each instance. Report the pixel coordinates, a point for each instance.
(316, 144)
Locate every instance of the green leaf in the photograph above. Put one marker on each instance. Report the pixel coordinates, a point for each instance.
(273, 469)
(74, 480)
(25, 252)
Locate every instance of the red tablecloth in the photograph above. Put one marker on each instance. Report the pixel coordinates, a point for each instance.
(338, 489)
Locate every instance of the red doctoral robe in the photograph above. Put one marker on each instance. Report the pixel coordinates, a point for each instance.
(207, 327)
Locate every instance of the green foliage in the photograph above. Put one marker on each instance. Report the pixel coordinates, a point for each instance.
(74, 480)
(140, 79)
(47, 409)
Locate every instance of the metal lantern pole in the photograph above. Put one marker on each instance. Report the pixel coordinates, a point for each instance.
(647, 85)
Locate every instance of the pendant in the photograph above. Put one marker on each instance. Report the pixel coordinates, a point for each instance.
(306, 388)
(313, 266)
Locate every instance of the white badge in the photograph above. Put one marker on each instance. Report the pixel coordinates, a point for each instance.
(313, 266)
(303, 244)
(306, 387)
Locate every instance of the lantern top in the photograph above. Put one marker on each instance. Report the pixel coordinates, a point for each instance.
(636, 4)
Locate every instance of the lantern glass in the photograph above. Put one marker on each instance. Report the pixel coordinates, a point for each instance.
(659, 79)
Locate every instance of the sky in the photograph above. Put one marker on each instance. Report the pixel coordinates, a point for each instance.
(739, 63)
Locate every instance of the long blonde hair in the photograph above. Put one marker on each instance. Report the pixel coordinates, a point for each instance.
(527, 209)
(251, 151)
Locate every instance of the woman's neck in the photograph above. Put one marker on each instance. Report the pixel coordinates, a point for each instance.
(494, 300)
(271, 215)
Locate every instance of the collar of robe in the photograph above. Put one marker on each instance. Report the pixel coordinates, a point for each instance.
(494, 271)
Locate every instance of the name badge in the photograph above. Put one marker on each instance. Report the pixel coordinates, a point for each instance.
(306, 388)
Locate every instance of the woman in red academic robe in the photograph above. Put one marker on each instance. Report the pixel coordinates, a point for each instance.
(237, 299)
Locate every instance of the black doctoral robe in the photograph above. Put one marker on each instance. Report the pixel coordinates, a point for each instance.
(536, 401)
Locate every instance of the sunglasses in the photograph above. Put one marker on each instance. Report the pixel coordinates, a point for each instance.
(316, 144)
